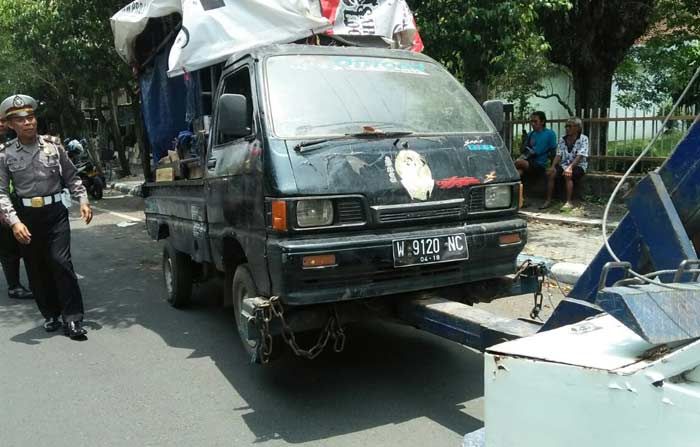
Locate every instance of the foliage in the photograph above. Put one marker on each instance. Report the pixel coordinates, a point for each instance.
(663, 146)
(487, 44)
(60, 51)
(591, 39)
(656, 72)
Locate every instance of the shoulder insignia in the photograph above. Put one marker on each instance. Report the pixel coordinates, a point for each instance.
(7, 144)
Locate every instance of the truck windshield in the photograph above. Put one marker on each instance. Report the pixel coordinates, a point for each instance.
(321, 96)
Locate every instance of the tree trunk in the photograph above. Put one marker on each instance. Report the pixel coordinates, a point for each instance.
(117, 136)
(477, 87)
(593, 87)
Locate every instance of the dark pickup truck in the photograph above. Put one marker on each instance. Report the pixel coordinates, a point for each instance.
(334, 174)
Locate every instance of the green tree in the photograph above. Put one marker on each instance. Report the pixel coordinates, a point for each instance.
(657, 70)
(487, 44)
(591, 39)
(61, 52)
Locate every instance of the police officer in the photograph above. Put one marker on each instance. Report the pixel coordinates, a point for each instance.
(9, 248)
(38, 169)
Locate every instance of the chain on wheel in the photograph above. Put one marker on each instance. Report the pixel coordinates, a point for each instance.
(273, 309)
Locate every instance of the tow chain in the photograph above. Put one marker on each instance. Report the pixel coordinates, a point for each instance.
(273, 308)
(540, 272)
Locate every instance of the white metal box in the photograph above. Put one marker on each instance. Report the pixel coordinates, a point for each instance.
(595, 383)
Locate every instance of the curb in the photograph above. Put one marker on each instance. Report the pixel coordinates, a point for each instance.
(565, 220)
(564, 272)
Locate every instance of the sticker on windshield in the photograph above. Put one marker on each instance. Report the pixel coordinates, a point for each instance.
(377, 64)
(491, 176)
(415, 174)
(481, 147)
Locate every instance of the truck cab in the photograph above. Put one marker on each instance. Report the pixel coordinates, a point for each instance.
(334, 174)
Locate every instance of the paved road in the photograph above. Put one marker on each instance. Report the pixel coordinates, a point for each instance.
(152, 375)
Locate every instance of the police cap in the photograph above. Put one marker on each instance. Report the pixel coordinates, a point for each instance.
(17, 105)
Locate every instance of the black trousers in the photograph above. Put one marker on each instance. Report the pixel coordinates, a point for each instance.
(48, 261)
(9, 256)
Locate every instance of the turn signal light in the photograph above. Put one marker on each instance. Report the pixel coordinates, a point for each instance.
(279, 215)
(309, 262)
(507, 239)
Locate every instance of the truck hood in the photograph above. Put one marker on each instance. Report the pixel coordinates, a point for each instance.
(405, 170)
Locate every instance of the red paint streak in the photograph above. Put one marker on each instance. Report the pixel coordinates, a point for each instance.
(417, 41)
(457, 182)
(329, 9)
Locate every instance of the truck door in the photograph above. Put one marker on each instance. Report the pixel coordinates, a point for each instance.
(233, 181)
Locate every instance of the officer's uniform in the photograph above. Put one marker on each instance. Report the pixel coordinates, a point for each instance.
(10, 252)
(39, 172)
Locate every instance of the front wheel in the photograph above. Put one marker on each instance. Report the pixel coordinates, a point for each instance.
(177, 275)
(242, 287)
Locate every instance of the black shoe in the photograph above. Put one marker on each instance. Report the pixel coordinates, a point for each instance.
(20, 293)
(75, 330)
(52, 324)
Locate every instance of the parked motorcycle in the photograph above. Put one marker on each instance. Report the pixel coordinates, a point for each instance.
(93, 181)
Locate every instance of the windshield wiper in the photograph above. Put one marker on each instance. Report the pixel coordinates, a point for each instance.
(300, 147)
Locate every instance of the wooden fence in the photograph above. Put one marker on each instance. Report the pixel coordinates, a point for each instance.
(616, 136)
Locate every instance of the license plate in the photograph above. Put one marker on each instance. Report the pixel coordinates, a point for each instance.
(430, 250)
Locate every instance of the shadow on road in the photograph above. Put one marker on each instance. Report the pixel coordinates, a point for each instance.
(388, 374)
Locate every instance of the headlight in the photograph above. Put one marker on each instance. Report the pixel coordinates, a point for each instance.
(314, 213)
(498, 196)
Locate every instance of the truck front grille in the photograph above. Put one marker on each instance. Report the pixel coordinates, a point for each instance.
(350, 211)
(477, 198)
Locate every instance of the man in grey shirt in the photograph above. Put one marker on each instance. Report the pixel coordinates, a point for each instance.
(39, 169)
(9, 248)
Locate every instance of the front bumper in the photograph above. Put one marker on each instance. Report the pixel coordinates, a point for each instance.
(365, 263)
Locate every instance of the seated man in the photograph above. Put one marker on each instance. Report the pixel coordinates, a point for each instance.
(569, 163)
(537, 146)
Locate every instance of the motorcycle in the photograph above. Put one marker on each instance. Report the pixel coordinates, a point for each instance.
(93, 181)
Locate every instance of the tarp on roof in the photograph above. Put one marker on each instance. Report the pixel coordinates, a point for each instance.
(132, 19)
(214, 30)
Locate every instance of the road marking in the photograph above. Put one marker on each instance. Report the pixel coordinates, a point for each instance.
(114, 213)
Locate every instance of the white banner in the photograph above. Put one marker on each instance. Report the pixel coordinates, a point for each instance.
(214, 30)
(390, 19)
(132, 19)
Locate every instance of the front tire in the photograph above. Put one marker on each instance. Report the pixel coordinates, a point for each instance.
(242, 287)
(177, 275)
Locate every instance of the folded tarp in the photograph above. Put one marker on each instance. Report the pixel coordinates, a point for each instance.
(213, 30)
(132, 19)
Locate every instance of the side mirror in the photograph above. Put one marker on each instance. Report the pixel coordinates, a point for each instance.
(233, 117)
(494, 109)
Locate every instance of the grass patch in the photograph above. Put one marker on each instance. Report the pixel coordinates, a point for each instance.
(631, 148)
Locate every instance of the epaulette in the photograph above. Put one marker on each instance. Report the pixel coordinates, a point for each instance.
(7, 144)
